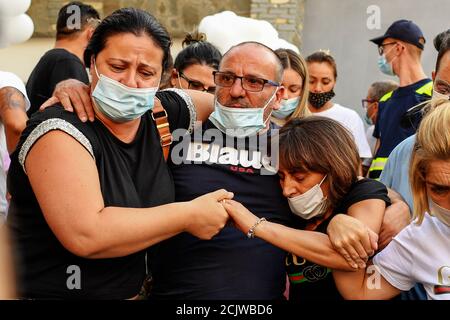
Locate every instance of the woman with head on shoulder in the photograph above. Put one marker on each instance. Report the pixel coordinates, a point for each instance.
(338, 214)
(89, 198)
(295, 80)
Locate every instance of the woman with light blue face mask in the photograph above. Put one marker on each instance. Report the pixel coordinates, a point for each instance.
(89, 198)
(318, 169)
(295, 76)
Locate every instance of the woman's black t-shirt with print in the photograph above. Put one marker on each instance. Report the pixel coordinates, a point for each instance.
(310, 281)
(131, 175)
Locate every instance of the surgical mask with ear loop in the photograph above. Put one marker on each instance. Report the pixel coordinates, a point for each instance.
(287, 107)
(119, 102)
(385, 66)
(437, 95)
(310, 204)
(179, 81)
(441, 213)
(240, 122)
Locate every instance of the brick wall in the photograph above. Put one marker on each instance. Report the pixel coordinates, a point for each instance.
(181, 16)
(285, 15)
(178, 16)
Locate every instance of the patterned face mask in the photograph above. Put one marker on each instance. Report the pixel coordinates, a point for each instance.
(317, 100)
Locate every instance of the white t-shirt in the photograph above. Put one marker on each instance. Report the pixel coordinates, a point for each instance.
(352, 121)
(7, 79)
(419, 254)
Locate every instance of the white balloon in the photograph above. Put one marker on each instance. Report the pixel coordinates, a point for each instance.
(17, 29)
(226, 29)
(11, 8)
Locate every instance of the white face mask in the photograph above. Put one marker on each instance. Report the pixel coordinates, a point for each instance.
(239, 122)
(441, 213)
(437, 95)
(310, 204)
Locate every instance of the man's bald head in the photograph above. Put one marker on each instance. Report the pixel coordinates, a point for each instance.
(265, 50)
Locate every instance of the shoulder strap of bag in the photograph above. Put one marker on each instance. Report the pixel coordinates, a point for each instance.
(161, 119)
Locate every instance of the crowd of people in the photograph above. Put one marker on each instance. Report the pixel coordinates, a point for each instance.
(215, 176)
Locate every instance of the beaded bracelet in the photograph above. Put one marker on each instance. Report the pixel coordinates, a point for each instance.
(251, 231)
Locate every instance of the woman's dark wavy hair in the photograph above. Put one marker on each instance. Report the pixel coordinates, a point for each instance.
(196, 50)
(324, 146)
(129, 20)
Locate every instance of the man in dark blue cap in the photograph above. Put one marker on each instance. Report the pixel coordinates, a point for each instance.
(400, 50)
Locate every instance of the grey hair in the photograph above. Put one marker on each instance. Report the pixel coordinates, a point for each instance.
(379, 89)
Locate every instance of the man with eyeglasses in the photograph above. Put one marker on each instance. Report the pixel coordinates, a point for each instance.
(229, 266)
(65, 60)
(370, 105)
(400, 50)
(396, 172)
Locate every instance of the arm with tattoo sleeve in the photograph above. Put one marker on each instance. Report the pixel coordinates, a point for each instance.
(13, 115)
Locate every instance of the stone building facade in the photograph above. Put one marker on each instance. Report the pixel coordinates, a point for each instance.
(181, 16)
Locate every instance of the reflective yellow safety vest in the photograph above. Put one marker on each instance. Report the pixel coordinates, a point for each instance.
(378, 163)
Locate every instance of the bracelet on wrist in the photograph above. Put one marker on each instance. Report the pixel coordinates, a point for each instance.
(251, 231)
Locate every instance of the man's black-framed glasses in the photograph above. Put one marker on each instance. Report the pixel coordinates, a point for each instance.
(381, 47)
(196, 85)
(249, 83)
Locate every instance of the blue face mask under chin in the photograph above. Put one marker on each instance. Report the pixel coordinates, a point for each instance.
(239, 122)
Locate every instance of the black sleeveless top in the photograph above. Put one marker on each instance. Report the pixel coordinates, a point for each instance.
(131, 175)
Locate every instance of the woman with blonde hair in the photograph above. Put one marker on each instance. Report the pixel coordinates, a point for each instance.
(295, 80)
(419, 253)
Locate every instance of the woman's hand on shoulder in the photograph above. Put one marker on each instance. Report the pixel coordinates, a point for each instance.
(73, 95)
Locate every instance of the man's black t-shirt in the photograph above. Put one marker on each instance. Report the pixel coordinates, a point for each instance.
(55, 66)
(131, 175)
(229, 266)
(309, 281)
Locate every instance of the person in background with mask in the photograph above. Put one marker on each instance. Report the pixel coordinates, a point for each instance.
(370, 106)
(419, 253)
(89, 199)
(318, 170)
(322, 80)
(395, 173)
(295, 81)
(400, 50)
(194, 65)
